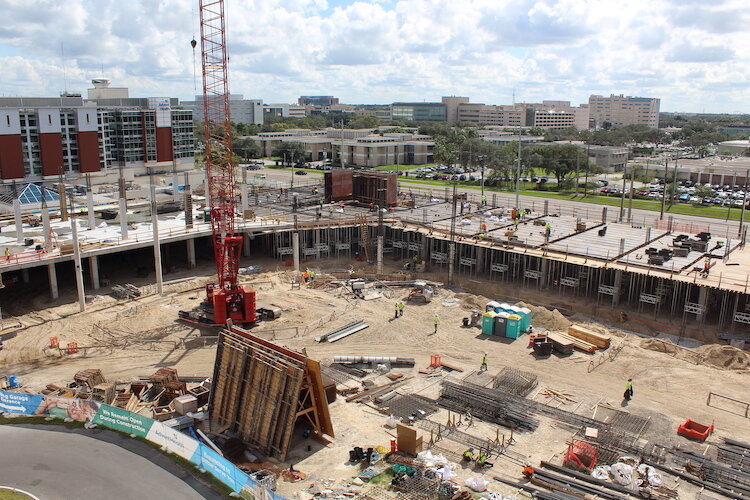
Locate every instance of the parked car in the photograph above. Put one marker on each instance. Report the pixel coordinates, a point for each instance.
(300, 172)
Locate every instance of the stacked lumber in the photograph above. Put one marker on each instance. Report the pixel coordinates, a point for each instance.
(89, 378)
(163, 375)
(599, 340)
(571, 342)
(561, 343)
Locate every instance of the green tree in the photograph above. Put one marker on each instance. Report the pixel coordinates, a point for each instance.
(246, 148)
(364, 122)
(293, 152)
(704, 192)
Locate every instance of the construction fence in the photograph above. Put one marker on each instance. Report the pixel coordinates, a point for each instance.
(174, 441)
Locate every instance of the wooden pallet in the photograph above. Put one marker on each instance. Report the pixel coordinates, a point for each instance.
(599, 340)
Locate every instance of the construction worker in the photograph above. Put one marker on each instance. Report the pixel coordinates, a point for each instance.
(483, 368)
(484, 200)
(395, 310)
(628, 390)
(330, 210)
(515, 224)
(401, 307)
(469, 455)
(482, 460)
(547, 230)
(528, 470)
(706, 265)
(436, 322)
(7, 253)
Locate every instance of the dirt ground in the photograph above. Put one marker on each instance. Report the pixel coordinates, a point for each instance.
(670, 383)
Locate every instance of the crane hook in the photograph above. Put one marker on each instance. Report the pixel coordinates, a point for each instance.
(193, 43)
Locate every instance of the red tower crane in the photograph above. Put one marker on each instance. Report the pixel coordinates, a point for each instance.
(225, 299)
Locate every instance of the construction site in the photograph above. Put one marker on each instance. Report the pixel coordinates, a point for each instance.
(350, 337)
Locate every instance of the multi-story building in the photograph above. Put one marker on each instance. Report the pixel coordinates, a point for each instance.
(283, 111)
(317, 100)
(361, 147)
(484, 114)
(611, 158)
(419, 111)
(241, 110)
(452, 104)
(620, 110)
(48, 137)
(557, 115)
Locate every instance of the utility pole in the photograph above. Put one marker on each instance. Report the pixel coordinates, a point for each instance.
(622, 195)
(518, 170)
(664, 193)
(744, 203)
(632, 188)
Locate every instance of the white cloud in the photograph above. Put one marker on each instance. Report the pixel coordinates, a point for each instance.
(380, 51)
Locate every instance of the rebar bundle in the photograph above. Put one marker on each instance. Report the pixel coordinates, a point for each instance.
(515, 381)
(487, 404)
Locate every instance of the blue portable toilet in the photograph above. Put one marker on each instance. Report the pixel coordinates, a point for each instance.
(526, 322)
(488, 322)
(505, 307)
(513, 326)
(492, 306)
(501, 321)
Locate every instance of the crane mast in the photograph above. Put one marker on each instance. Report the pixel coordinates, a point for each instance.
(225, 299)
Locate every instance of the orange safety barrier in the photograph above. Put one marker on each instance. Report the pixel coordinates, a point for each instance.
(71, 348)
(54, 343)
(693, 430)
(435, 361)
(580, 455)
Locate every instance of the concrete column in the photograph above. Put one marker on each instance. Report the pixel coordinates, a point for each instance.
(52, 274)
(90, 209)
(425, 247)
(703, 301)
(94, 271)
(18, 220)
(546, 207)
(617, 286)
(380, 255)
(246, 245)
(190, 253)
(604, 214)
(157, 248)
(451, 258)
(622, 246)
(78, 266)
(480, 259)
(316, 240)
(544, 270)
(175, 191)
(47, 228)
(123, 218)
(648, 234)
(295, 251)
(245, 201)
(25, 275)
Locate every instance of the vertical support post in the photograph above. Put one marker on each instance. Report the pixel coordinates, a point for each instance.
(18, 220)
(703, 301)
(47, 228)
(190, 253)
(123, 218)
(451, 259)
(244, 200)
(617, 286)
(25, 275)
(175, 191)
(380, 255)
(78, 267)
(295, 251)
(604, 214)
(480, 259)
(316, 240)
(246, 246)
(188, 203)
(546, 208)
(52, 274)
(648, 234)
(63, 202)
(94, 271)
(157, 246)
(90, 209)
(622, 246)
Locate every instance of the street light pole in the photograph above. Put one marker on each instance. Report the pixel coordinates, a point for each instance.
(518, 171)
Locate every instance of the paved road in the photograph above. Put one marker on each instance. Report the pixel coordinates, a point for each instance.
(62, 464)
(719, 227)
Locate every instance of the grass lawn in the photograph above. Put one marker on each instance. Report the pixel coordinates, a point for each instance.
(677, 208)
(12, 495)
(403, 167)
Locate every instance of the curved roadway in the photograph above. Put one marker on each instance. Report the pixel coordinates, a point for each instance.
(66, 464)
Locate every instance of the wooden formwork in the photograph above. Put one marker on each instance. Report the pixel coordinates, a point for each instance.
(260, 391)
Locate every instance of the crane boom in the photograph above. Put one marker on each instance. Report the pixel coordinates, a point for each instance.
(226, 298)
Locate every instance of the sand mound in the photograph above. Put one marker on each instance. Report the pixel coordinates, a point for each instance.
(724, 356)
(470, 301)
(659, 345)
(544, 318)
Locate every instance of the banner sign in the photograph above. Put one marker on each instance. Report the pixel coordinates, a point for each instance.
(123, 420)
(173, 440)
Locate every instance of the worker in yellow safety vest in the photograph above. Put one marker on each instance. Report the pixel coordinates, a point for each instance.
(395, 310)
(400, 305)
(483, 368)
(436, 322)
(469, 455)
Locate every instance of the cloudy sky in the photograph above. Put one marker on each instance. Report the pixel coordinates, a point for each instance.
(693, 54)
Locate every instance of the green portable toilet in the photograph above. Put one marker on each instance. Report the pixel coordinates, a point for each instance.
(501, 323)
(513, 326)
(526, 323)
(488, 323)
(525, 320)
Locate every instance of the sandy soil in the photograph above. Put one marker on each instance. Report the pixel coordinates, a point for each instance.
(669, 386)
